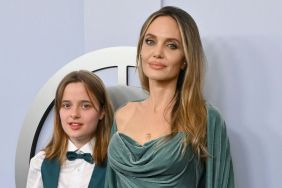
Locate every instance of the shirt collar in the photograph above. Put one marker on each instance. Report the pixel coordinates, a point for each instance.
(87, 148)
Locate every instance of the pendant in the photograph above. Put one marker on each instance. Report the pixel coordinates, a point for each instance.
(148, 136)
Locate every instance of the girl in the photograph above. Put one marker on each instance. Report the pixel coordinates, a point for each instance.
(77, 153)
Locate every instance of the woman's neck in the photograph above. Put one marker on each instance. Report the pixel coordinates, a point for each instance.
(161, 96)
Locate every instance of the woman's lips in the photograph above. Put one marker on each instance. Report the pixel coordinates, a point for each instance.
(157, 66)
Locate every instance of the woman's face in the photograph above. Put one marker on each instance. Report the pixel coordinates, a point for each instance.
(162, 52)
(79, 117)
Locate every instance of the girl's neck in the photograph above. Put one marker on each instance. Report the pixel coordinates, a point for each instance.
(78, 143)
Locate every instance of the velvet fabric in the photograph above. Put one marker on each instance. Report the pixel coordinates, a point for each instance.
(162, 162)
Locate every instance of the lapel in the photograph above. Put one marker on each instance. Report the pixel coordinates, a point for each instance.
(98, 176)
(50, 171)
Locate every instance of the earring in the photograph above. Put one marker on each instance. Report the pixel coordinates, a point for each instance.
(183, 66)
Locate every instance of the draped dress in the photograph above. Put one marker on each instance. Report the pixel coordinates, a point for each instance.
(164, 162)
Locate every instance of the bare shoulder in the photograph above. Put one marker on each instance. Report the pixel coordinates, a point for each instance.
(124, 114)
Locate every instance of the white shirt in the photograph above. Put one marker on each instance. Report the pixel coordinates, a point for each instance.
(73, 174)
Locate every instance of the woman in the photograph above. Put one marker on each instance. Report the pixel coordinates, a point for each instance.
(172, 138)
(77, 153)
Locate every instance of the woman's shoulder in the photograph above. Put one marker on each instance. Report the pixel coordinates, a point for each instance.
(36, 161)
(125, 112)
(214, 117)
(126, 109)
(213, 111)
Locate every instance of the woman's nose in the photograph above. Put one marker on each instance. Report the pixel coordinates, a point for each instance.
(158, 52)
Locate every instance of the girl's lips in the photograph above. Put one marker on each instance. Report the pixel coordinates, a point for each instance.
(75, 126)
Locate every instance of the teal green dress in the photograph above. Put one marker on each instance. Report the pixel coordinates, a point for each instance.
(162, 162)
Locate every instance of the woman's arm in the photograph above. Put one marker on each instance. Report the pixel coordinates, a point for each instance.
(219, 167)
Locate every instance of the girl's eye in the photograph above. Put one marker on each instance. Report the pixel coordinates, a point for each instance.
(66, 105)
(172, 46)
(149, 42)
(86, 106)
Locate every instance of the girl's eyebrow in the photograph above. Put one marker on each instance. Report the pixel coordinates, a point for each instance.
(86, 101)
(81, 101)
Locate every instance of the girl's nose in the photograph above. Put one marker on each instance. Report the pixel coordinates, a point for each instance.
(75, 113)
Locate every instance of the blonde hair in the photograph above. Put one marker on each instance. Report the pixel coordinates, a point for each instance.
(57, 147)
(189, 110)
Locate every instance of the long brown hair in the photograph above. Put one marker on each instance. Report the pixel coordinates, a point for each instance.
(95, 88)
(189, 110)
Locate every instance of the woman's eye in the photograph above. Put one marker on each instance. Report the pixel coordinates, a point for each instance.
(149, 42)
(172, 46)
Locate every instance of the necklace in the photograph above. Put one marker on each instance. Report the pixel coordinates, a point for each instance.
(148, 136)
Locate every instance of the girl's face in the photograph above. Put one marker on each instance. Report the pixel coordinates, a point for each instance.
(162, 52)
(79, 116)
